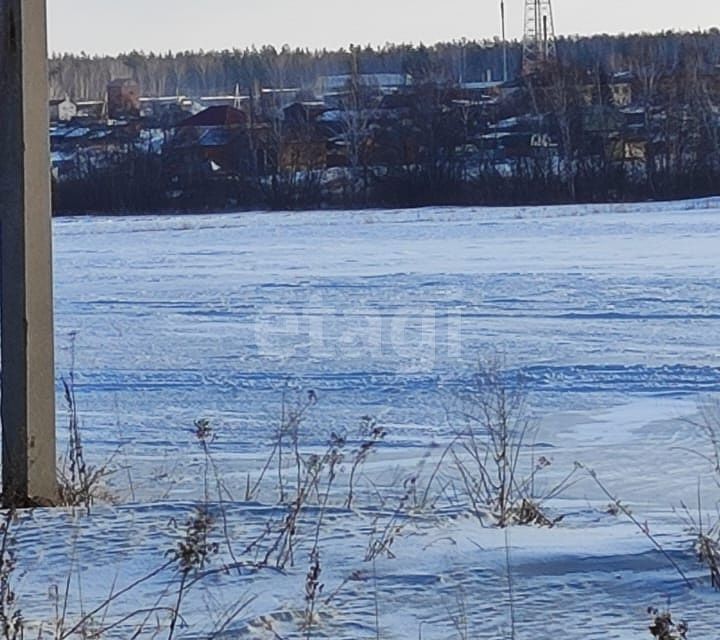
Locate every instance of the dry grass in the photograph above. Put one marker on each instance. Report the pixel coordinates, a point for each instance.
(663, 627)
(492, 452)
(79, 484)
(706, 540)
(490, 460)
(11, 620)
(705, 529)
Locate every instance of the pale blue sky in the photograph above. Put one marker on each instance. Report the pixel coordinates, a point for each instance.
(110, 26)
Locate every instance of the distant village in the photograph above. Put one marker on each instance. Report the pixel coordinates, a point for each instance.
(557, 134)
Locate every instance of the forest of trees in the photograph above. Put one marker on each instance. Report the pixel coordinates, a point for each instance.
(218, 72)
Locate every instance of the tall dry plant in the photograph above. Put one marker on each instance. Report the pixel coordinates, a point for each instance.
(492, 451)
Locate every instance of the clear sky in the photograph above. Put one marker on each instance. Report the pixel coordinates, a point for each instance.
(111, 26)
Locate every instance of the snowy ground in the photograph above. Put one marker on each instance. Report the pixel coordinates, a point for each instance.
(610, 313)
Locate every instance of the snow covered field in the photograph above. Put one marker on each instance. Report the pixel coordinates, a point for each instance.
(610, 314)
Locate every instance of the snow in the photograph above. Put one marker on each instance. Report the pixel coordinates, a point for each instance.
(609, 312)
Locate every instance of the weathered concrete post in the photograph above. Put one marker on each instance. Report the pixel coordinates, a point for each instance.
(26, 305)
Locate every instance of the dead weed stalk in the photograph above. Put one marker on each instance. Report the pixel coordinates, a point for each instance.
(372, 434)
(287, 432)
(79, 484)
(642, 527)
(663, 627)
(12, 624)
(491, 453)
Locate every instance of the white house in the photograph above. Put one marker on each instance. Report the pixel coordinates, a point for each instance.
(62, 110)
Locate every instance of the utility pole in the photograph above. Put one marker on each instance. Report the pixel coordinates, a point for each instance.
(504, 41)
(27, 406)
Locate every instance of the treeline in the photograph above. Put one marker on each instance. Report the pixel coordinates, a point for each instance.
(219, 72)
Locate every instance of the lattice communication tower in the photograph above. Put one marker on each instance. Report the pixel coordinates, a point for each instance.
(539, 45)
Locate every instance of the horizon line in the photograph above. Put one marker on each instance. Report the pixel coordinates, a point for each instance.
(497, 40)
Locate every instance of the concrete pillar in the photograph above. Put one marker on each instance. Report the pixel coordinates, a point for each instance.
(27, 403)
